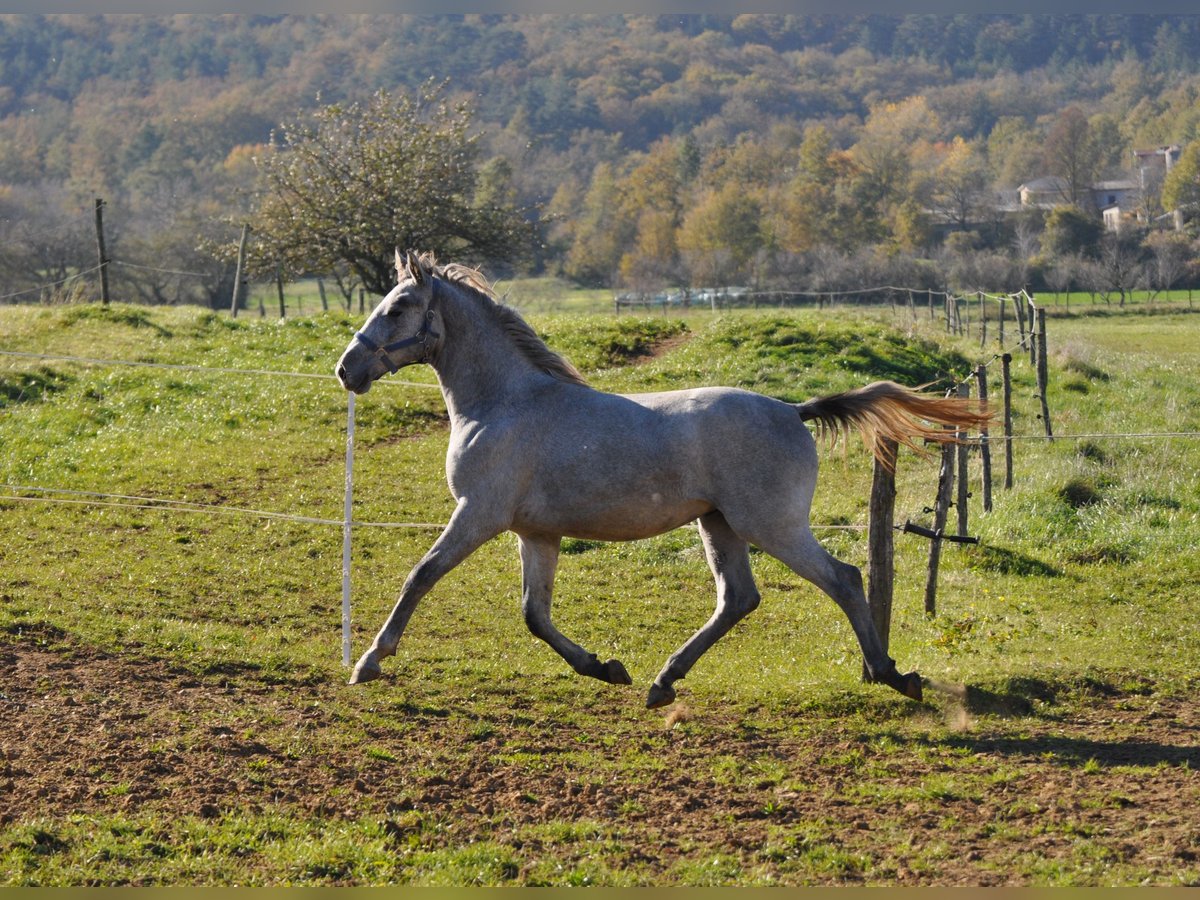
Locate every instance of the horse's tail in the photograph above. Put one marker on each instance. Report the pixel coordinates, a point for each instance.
(886, 410)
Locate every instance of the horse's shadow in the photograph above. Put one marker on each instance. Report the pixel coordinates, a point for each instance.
(1072, 752)
(1060, 748)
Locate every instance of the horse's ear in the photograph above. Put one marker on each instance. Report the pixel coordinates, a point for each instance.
(412, 265)
(421, 271)
(400, 266)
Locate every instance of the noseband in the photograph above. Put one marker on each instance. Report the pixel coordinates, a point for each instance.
(424, 337)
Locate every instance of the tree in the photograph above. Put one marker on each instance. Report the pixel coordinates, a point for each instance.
(960, 181)
(342, 191)
(1070, 232)
(1118, 268)
(1181, 187)
(721, 235)
(602, 232)
(1073, 154)
(1170, 253)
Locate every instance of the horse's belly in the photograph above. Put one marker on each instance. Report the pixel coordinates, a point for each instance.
(611, 521)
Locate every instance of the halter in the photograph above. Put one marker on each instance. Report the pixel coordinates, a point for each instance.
(423, 337)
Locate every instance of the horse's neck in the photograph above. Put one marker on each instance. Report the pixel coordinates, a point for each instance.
(478, 366)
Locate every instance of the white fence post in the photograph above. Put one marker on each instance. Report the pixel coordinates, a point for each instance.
(347, 525)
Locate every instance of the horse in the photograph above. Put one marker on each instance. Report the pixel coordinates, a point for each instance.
(537, 451)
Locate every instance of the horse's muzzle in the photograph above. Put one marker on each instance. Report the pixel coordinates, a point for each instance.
(343, 376)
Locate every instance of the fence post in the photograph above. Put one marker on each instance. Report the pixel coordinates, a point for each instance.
(347, 527)
(881, 542)
(321, 291)
(1003, 304)
(1006, 366)
(940, 507)
(982, 321)
(1042, 370)
(1019, 306)
(1032, 329)
(279, 288)
(100, 251)
(237, 275)
(964, 391)
(985, 448)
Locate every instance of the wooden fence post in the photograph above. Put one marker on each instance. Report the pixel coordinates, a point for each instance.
(279, 288)
(100, 251)
(321, 291)
(940, 508)
(985, 449)
(1019, 307)
(982, 321)
(1043, 371)
(881, 543)
(964, 485)
(1032, 329)
(1003, 305)
(1006, 366)
(237, 274)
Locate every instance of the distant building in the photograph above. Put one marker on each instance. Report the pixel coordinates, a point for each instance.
(1044, 193)
(1151, 165)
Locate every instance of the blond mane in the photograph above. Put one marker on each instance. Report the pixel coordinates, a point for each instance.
(523, 337)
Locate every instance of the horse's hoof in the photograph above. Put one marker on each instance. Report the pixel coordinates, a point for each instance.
(912, 686)
(614, 673)
(366, 670)
(660, 695)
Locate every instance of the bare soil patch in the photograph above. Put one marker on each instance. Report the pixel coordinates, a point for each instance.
(918, 803)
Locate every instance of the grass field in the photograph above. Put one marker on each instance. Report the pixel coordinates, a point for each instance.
(173, 694)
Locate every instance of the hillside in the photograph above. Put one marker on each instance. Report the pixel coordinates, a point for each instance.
(161, 116)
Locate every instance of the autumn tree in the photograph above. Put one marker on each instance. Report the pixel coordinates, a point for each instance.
(653, 196)
(1181, 187)
(601, 232)
(1073, 154)
(721, 235)
(895, 137)
(342, 190)
(959, 184)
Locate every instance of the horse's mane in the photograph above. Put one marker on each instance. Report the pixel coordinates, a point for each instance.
(518, 331)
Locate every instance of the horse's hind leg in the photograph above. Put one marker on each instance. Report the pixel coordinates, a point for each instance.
(539, 560)
(843, 582)
(729, 559)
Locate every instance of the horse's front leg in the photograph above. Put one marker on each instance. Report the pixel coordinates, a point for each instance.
(539, 561)
(465, 534)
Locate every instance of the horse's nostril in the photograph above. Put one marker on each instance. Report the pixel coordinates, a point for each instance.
(340, 371)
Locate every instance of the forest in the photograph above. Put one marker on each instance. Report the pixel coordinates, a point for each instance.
(646, 153)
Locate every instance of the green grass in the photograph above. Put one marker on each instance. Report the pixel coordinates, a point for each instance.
(1086, 576)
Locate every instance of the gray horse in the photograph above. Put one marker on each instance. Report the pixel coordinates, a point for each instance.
(536, 451)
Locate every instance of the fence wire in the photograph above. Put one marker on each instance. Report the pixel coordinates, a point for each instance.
(52, 495)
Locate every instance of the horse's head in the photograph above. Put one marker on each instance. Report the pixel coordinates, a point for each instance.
(405, 328)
